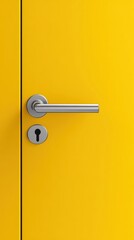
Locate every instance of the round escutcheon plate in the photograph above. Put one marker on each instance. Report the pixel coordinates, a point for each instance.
(37, 134)
(38, 99)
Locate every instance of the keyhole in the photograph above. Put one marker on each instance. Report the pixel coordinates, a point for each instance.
(37, 132)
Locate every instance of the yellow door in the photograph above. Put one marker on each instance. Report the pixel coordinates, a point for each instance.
(9, 120)
(79, 183)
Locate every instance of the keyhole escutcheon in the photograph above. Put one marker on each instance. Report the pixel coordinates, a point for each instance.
(37, 134)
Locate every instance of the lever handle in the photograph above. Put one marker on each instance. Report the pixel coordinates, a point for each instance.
(38, 106)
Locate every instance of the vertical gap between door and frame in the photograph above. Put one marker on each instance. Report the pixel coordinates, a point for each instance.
(20, 119)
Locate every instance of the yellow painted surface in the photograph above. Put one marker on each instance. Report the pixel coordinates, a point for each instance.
(79, 184)
(9, 121)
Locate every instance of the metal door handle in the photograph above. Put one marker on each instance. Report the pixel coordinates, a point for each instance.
(38, 106)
